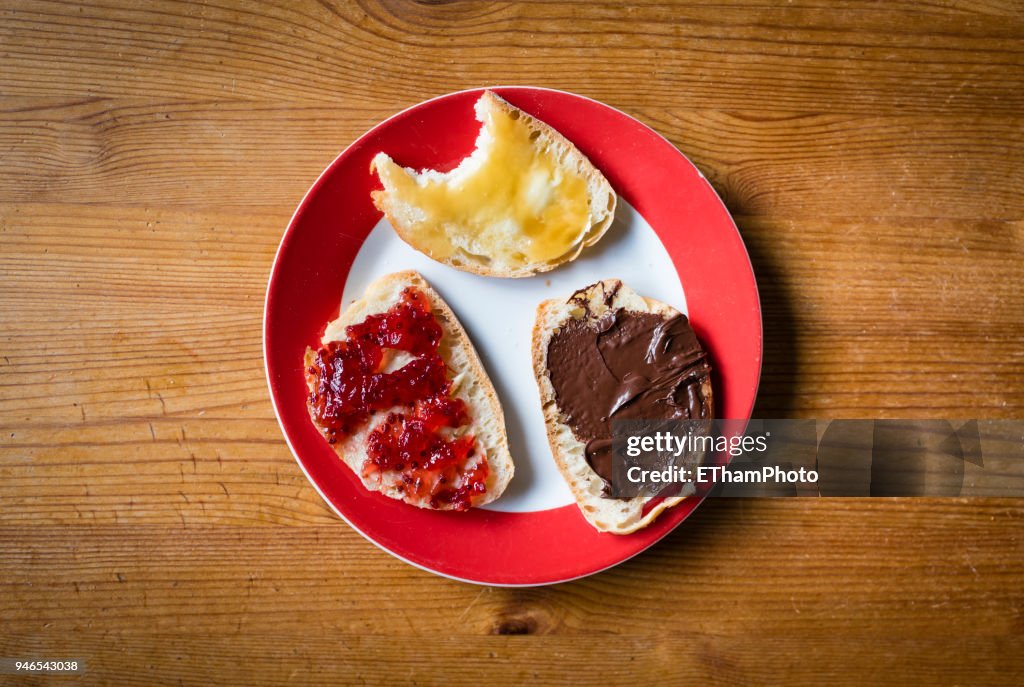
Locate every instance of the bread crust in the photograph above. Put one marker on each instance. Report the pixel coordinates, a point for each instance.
(600, 193)
(470, 383)
(615, 515)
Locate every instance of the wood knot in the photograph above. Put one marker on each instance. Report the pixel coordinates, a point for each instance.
(516, 626)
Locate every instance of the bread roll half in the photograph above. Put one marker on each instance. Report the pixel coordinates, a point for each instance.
(591, 306)
(525, 201)
(469, 383)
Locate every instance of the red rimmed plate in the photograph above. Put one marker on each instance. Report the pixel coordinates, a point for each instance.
(672, 240)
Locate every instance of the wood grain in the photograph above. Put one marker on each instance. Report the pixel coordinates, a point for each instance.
(152, 520)
(907, 555)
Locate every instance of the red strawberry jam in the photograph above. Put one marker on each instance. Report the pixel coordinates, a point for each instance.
(350, 385)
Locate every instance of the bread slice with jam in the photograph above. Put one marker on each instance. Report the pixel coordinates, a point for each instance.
(399, 392)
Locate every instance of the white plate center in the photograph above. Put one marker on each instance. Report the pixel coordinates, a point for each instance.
(498, 315)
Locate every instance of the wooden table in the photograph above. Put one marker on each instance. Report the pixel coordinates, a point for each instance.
(152, 520)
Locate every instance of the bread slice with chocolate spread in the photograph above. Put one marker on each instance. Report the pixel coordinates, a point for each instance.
(592, 359)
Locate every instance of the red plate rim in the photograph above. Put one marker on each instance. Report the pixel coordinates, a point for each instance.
(724, 309)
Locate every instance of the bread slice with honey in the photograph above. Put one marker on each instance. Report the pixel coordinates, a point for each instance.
(525, 201)
(592, 313)
(358, 442)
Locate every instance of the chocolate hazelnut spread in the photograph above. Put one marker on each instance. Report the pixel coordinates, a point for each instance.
(625, 365)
